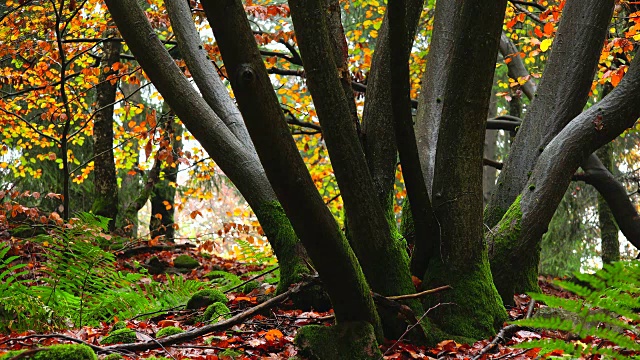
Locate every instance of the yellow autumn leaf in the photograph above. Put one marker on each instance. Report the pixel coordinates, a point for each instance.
(545, 44)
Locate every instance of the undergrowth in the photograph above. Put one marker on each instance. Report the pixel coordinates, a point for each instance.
(607, 308)
(80, 284)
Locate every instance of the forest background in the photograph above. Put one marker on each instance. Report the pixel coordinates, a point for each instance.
(73, 94)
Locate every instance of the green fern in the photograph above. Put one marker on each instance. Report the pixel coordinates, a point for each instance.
(253, 254)
(9, 274)
(223, 280)
(605, 296)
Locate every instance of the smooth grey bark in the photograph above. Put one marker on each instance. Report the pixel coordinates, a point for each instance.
(459, 100)
(517, 236)
(203, 72)
(434, 82)
(561, 96)
(239, 162)
(105, 181)
(313, 222)
(615, 195)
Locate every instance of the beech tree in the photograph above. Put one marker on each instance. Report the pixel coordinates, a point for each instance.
(485, 259)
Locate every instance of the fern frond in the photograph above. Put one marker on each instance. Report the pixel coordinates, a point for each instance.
(605, 296)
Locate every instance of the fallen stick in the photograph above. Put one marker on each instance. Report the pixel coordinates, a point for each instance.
(204, 330)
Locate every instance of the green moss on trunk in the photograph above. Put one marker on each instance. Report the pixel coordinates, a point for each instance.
(291, 256)
(55, 352)
(348, 341)
(512, 274)
(475, 310)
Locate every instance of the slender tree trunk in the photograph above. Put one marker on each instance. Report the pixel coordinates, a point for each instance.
(490, 173)
(615, 194)
(384, 258)
(164, 192)
(608, 227)
(105, 181)
(131, 185)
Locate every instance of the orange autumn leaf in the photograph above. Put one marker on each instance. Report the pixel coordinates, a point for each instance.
(273, 335)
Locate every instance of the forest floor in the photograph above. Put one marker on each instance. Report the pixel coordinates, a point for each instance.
(269, 334)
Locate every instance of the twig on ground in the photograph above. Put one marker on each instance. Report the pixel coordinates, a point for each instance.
(420, 294)
(505, 334)
(417, 323)
(146, 248)
(53, 336)
(253, 278)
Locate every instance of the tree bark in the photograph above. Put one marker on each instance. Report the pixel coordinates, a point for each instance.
(164, 191)
(318, 230)
(489, 173)
(458, 101)
(608, 228)
(615, 194)
(515, 65)
(105, 202)
(203, 72)
(517, 236)
(561, 96)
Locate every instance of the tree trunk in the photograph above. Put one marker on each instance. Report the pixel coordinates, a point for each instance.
(615, 194)
(132, 177)
(515, 241)
(561, 96)
(608, 227)
(105, 202)
(458, 101)
(383, 257)
(490, 173)
(164, 191)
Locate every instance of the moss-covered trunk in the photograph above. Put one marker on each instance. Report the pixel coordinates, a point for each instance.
(474, 29)
(522, 227)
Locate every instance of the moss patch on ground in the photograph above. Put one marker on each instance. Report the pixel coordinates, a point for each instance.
(124, 336)
(113, 357)
(56, 352)
(206, 297)
(216, 312)
(250, 286)
(168, 331)
(185, 262)
(348, 341)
